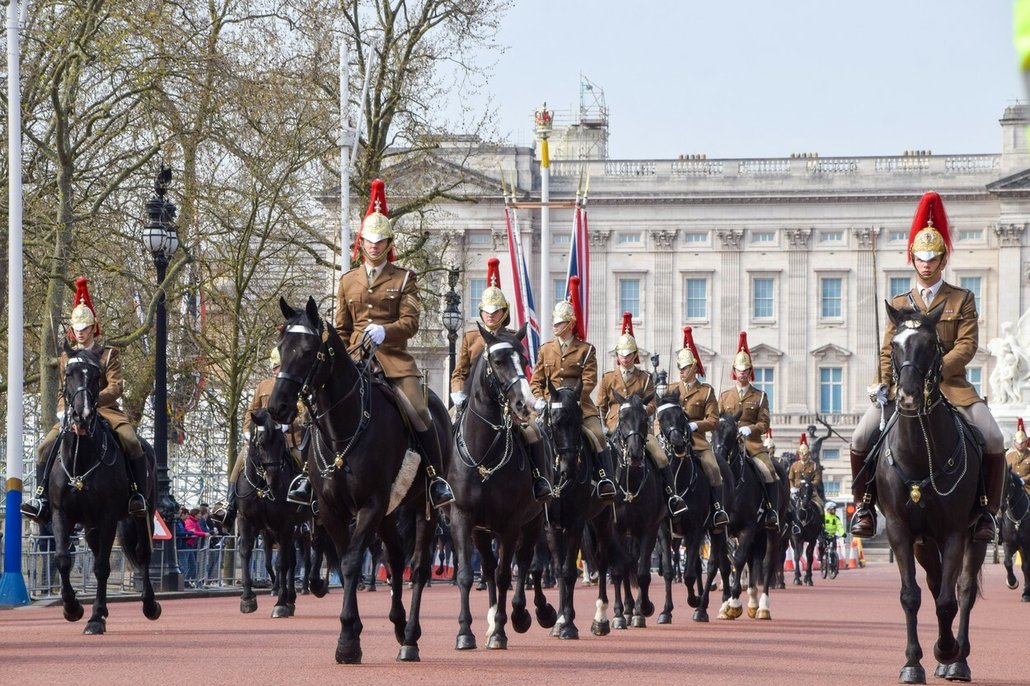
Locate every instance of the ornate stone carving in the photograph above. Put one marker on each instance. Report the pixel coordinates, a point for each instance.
(599, 239)
(500, 239)
(866, 237)
(798, 238)
(1010, 235)
(664, 240)
(730, 238)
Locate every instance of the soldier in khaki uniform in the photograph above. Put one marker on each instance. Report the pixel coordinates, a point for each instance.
(378, 303)
(629, 380)
(805, 467)
(702, 409)
(564, 360)
(1018, 458)
(929, 246)
(753, 405)
(493, 312)
(83, 331)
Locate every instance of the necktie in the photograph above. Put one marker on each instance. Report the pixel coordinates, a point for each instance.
(371, 275)
(740, 393)
(925, 293)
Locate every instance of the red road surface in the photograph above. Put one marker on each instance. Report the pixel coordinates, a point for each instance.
(846, 631)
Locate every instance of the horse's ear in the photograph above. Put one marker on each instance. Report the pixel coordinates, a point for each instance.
(738, 414)
(934, 315)
(521, 333)
(551, 390)
(673, 395)
(647, 398)
(312, 310)
(285, 308)
(618, 398)
(578, 388)
(488, 337)
(895, 315)
(68, 350)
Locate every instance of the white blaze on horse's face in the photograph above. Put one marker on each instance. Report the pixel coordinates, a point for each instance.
(910, 396)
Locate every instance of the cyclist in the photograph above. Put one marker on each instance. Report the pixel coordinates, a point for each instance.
(833, 528)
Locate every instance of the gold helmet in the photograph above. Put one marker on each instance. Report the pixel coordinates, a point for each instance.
(570, 310)
(803, 449)
(1020, 436)
(376, 225)
(627, 344)
(742, 360)
(83, 314)
(274, 359)
(493, 298)
(687, 355)
(929, 237)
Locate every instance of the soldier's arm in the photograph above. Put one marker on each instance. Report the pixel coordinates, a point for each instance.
(109, 396)
(604, 397)
(406, 325)
(967, 340)
(885, 355)
(649, 388)
(255, 404)
(538, 382)
(589, 372)
(761, 424)
(462, 366)
(344, 322)
(711, 418)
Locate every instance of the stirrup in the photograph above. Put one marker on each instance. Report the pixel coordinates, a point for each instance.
(719, 519)
(440, 493)
(36, 509)
(605, 489)
(676, 505)
(137, 505)
(863, 523)
(986, 527)
(542, 491)
(300, 490)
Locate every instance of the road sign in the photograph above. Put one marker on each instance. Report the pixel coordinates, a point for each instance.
(161, 530)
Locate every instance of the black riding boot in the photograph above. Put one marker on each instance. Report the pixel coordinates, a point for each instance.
(226, 515)
(605, 487)
(538, 459)
(138, 476)
(37, 508)
(719, 517)
(772, 518)
(863, 524)
(676, 504)
(994, 482)
(440, 493)
(300, 490)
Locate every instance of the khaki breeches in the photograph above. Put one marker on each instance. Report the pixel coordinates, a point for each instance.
(592, 429)
(711, 467)
(976, 414)
(238, 464)
(409, 390)
(765, 466)
(126, 436)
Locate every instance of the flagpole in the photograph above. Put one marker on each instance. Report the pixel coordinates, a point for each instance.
(347, 138)
(544, 120)
(12, 584)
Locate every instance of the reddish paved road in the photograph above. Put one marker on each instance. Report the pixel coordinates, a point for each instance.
(812, 639)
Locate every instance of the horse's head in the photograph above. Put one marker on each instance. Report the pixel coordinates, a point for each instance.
(631, 434)
(805, 490)
(504, 363)
(916, 357)
(301, 347)
(81, 389)
(564, 419)
(267, 444)
(1014, 489)
(725, 440)
(673, 425)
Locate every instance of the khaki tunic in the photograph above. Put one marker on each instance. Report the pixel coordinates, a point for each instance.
(702, 408)
(472, 346)
(640, 383)
(111, 384)
(1019, 462)
(959, 334)
(393, 302)
(579, 361)
(755, 414)
(260, 402)
(801, 469)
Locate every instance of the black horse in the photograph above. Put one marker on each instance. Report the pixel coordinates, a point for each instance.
(572, 507)
(493, 495)
(639, 510)
(757, 548)
(89, 485)
(927, 481)
(362, 467)
(693, 486)
(262, 484)
(1015, 532)
(808, 518)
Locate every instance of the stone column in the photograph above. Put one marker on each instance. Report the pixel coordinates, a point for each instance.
(1010, 241)
(730, 299)
(662, 315)
(599, 312)
(865, 305)
(795, 371)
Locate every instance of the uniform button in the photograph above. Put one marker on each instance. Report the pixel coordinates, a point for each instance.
(370, 290)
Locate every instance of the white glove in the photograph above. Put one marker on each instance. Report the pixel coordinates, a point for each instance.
(375, 333)
(745, 431)
(459, 398)
(878, 394)
(604, 430)
(540, 405)
(246, 435)
(693, 426)
(793, 491)
(284, 428)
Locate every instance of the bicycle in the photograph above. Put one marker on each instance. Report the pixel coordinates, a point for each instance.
(828, 559)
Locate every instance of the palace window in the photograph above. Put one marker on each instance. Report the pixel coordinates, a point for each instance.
(974, 375)
(696, 290)
(696, 237)
(972, 283)
(762, 298)
(763, 237)
(831, 390)
(764, 382)
(476, 288)
(629, 296)
(899, 285)
(830, 294)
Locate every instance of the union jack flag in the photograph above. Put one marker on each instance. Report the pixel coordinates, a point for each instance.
(579, 262)
(525, 307)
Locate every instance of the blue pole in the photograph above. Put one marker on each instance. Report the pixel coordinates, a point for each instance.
(12, 584)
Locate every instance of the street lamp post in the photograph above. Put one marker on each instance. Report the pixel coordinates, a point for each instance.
(452, 317)
(160, 238)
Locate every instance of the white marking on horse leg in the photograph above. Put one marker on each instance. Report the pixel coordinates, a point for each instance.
(560, 621)
(491, 621)
(763, 602)
(734, 602)
(752, 597)
(602, 611)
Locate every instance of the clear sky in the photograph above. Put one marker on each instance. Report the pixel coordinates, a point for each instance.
(766, 78)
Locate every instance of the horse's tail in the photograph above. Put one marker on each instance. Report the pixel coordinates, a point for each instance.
(135, 547)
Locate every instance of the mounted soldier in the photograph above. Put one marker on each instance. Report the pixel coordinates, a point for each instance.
(699, 403)
(929, 247)
(493, 313)
(1018, 458)
(568, 359)
(83, 332)
(753, 407)
(628, 379)
(804, 467)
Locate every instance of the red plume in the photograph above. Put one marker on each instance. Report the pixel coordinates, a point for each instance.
(627, 323)
(742, 343)
(931, 209)
(804, 440)
(768, 432)
(82, 296)
(493, 272)
(376, 203)
(688, 342)
(1019, 425)
(577, 307)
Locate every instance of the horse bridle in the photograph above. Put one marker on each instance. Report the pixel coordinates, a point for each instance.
(78, 482)
(573, 452)
(307, 380)
(666, 441)
(1026, 506)
(69, 400)
(259, 468)
(620, 439)
(931, 378)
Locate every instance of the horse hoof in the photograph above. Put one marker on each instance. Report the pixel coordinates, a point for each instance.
(600, 628)
(95, 627)
(809, 582)
(724, 615)
(465, 643)
(763, 614)
(408, 654)
(700, 616)
(780, 585)
(913, 674)
(568, 632)
(797, 581)
(959, 671)
(941, 671)
(280, 611)
(292, 608)
(1012, 583)
(665, 618)
(619, 622)
(751, 612)
(638, 622)
(348, 654)
(248, 605)
(496, 642)
(546, 616)
(521, 621)
(74, 612)
(154, 612)
(1024, 599)
(734, 612)
(319, 588)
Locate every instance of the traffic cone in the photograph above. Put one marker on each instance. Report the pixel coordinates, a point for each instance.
(861, 554)
(853, 554)
(788, 560)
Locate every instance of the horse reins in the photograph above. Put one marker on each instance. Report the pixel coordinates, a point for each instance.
(78, 482)
(505, 428)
